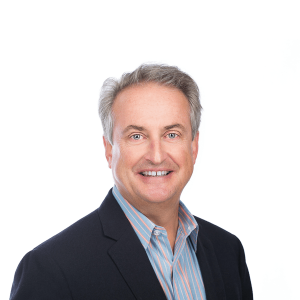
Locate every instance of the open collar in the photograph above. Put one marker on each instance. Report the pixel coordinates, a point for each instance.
(132, 262)
(144, 227)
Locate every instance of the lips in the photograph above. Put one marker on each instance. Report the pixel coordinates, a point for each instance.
(155, 173)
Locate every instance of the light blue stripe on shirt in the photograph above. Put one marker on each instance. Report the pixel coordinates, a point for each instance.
(178, 274)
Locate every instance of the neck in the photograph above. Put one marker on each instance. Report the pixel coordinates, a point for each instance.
(164, 214)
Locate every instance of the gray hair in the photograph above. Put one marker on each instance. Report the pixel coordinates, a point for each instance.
(162, 74)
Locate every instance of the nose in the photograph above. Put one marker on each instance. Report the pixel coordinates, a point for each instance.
(156, 153)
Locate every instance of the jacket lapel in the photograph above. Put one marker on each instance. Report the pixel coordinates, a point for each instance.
(132, 261)
(212, 278)
(128, 253)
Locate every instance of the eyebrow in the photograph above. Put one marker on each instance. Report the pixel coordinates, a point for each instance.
(141, 128)
(175, 126)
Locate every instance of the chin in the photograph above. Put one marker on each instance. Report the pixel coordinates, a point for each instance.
(157, 195)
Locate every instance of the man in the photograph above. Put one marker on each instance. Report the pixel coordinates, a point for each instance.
(142, 243)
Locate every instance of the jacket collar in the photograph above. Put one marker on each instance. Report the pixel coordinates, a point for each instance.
(209, 266)
(128, 253)
(132, 261)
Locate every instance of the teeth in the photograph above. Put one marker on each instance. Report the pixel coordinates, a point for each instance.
(155, 174)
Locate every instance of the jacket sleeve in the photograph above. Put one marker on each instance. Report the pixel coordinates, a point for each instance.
(244, 274)
(39, 277)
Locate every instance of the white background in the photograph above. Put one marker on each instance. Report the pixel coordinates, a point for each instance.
(245, 56)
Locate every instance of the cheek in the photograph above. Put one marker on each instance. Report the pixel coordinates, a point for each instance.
(184, 159)
(181, 155)
(124, 158)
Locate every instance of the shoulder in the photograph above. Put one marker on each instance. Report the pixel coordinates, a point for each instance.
(47, 268)
(75, 236)
(80, 242)
(213, 230)
(71, 248)
(219, 238)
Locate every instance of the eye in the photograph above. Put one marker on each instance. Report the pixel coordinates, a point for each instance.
(172, 135)
(136, 137)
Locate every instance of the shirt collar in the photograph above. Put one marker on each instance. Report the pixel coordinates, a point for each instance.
(140, 223)
(144, 227)
(187, 224)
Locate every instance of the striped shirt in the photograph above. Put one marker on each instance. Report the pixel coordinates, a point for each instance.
(179, 275)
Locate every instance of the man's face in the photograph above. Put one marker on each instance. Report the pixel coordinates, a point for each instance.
(152, 135)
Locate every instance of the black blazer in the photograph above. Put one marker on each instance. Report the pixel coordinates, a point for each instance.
(100, 257)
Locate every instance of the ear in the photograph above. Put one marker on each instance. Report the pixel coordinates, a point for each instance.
(108, 151)
(195, 147)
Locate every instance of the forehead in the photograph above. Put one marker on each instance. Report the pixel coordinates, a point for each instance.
(151, 104)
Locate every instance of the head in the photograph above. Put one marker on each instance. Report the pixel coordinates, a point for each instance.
(150, 119)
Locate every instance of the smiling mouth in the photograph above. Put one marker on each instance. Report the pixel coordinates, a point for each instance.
(155, 174)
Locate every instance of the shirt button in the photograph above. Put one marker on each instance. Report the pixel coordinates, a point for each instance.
(156, 232)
